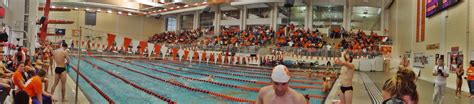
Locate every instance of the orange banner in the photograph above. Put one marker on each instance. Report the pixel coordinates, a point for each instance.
(110, 39)
(126, 43)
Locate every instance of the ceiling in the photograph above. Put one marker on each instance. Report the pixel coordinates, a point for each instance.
(136, 6)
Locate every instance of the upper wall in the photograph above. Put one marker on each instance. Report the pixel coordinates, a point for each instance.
(449, 28)
(135, 27)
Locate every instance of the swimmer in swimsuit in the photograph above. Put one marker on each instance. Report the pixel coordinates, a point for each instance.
(347, 73)
(61, 57)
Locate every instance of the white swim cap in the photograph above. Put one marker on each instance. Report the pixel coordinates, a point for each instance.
(280, 74)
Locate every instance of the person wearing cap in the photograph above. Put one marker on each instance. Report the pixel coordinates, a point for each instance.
(347, 74)
(279, 92)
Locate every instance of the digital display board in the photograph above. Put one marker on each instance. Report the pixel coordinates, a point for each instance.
(435, 6)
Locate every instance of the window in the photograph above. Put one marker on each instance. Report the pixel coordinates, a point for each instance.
(327, 16)
(295, 15)
(366, 18)
(170, 24)
(187, 22)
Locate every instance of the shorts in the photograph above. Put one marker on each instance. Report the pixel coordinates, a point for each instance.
(59, 70)
(46, 100)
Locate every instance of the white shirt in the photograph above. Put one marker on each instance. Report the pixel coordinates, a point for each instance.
(440, 79)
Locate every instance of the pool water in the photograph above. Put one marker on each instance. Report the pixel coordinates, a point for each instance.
(123, 93)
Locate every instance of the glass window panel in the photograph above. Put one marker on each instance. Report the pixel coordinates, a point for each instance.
(366, 18)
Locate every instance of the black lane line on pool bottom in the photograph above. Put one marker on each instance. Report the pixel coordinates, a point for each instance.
(221, 84)
(250, 76)
(250, 71)
(256, 82)
(187, 87)
(106, 97)
(176, 75)
(132, 84)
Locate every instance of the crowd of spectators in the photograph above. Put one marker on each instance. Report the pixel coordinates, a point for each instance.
(230, 36)
(185, 37)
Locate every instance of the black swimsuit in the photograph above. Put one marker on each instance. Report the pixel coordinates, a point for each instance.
(460, 75)
(344, 89)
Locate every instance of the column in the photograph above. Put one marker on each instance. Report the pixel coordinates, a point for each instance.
(309, 15)
(382, 18)
(178, 23)
(243, 17)
(217, 20)
(347, 16)
(196, 20)
(274, 16)
(32, 27)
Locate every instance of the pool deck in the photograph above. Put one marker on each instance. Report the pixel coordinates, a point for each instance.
(70, 91)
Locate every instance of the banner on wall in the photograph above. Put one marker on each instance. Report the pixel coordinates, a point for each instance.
(119, 42)
(110, 39)
(420, 60)
(135, 44)
(126, 43)
(143, 45)
(150, 48)
(455, 61)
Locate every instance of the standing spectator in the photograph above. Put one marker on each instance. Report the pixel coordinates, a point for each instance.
(470, 79)
(441, 73)
(459, 74)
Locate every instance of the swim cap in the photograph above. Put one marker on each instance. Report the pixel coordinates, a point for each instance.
(280, 74)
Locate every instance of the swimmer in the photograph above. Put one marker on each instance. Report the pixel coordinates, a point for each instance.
(326, 84)
(347, 73)
(210, 78)
(279, 92)
(60, 56)
(175, 81)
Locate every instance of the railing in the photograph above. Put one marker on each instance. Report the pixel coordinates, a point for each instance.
(222, 48)
(324, 52)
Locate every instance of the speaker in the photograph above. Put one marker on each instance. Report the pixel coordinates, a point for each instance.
(158, 16)
(41, 20)
(289, 3)
(206, 10)
(90, 18)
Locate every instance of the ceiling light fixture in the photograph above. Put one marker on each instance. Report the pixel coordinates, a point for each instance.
(109, 11)
(177, 7)
(196, 4)
(53, 6)
(87, 9)
(204, 3)
(186, 6)
(64, 7)
(98, 10)
(119, 12)
(76, 8)
(129, 14)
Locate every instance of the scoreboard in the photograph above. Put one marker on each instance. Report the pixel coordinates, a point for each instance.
(435, 6)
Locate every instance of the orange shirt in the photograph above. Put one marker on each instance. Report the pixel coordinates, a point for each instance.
(33, 87)
(18, 79)
(470, 70)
